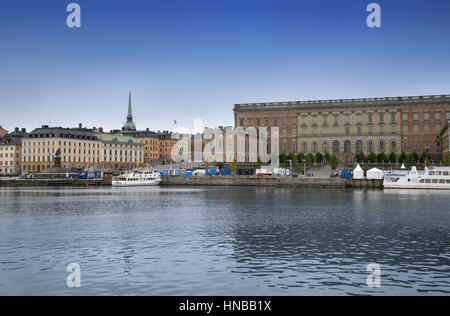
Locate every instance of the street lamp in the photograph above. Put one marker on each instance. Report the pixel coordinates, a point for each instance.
(304, 167)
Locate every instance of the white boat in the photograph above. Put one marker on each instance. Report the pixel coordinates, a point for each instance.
(437, 178)
(138, 177)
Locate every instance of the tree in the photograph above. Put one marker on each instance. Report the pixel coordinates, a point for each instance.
(447, 160)
(283, 158)
(382, 158)
(327, 157)
(295, 165)
(334, 162)
(372, 157)
(309, 159)
(301, 157)
(393, 157)
(402, 157)
(411, 159)
(259, 163)
(424, 157)
(319, 158)
(234, 166)
(360, 158)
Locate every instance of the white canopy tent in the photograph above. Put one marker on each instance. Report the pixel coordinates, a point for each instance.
(403, 167)
(375, 173)
(358, 173)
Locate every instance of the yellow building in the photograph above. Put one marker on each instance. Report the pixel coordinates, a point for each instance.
(11, 152)
(79, 148)
(119, 151)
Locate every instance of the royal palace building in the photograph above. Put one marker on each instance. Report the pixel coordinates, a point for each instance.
(347, 127)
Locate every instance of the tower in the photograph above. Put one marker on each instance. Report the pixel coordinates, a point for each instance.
(129, 124)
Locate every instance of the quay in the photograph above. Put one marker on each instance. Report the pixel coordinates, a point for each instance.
(301, 182)
(305, 182)
(52, 182)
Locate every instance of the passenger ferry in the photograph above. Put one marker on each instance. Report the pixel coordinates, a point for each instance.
(437, 178)
(138, 177)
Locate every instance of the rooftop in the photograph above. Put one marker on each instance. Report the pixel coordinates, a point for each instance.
(394, 100)
(113, 138)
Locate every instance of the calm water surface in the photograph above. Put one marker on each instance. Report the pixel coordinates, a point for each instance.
(223, 241)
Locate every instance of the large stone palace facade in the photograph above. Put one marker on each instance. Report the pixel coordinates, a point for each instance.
(350, 126)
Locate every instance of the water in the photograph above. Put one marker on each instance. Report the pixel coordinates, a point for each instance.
(223, 241)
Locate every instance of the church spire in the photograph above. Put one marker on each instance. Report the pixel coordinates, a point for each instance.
(129, 125)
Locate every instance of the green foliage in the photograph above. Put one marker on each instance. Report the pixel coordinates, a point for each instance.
(411, 159)
(393, 158)
(382, 158)
(301, 157)
(372, 158)
(309, 159)
(334, 162)
(447, 160)
(402, 157)
(234, 165)
(295, 165)
(319, 158)
(424, 157)
(327, 157)
(259, 163)
(360, 158)
(291, 157)
(283, 158)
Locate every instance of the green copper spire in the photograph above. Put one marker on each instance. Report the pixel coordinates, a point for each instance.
(129, 125)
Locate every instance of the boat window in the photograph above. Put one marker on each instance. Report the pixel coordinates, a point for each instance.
(446, 173)
(431, 173)
(448, 181)
(435, 180)
(442, 181)
(428, 181)
(421, 181)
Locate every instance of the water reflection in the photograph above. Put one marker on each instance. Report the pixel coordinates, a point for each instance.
(219, 241)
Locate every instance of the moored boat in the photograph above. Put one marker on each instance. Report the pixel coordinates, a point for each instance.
(138, 177)
(432, 178)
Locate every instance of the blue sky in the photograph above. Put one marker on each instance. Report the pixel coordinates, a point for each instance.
(187, 59)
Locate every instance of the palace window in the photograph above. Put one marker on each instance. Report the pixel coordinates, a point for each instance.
(336, 147)
(438, 116)
(347, 147)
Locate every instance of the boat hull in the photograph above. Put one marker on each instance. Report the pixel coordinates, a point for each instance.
(137, 184)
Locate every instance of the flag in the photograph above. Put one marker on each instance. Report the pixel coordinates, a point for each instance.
(138, 161)
(175, 121)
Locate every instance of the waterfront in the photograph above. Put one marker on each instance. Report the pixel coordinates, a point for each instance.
(223, 241)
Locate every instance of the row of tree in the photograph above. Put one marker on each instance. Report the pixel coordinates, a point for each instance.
(408, 159)
(310, 159)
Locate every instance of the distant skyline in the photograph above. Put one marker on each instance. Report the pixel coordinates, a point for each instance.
(196, 59)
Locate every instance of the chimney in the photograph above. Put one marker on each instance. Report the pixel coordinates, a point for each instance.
(80, 125)
(101, 129)
(24, 130)
(16, 129)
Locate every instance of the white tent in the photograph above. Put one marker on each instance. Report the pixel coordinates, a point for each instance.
(358, 173)
(375, 173)
(403, 167)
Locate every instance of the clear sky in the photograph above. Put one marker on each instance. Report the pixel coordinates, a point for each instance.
(187, 59)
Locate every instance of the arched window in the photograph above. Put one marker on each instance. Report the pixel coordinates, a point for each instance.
(347, 147)
(336, 147)
(394, 147)
(325, 147)
(359, 147)
(370, 146)
(304, 149)
(314, 147)
(382, 148)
